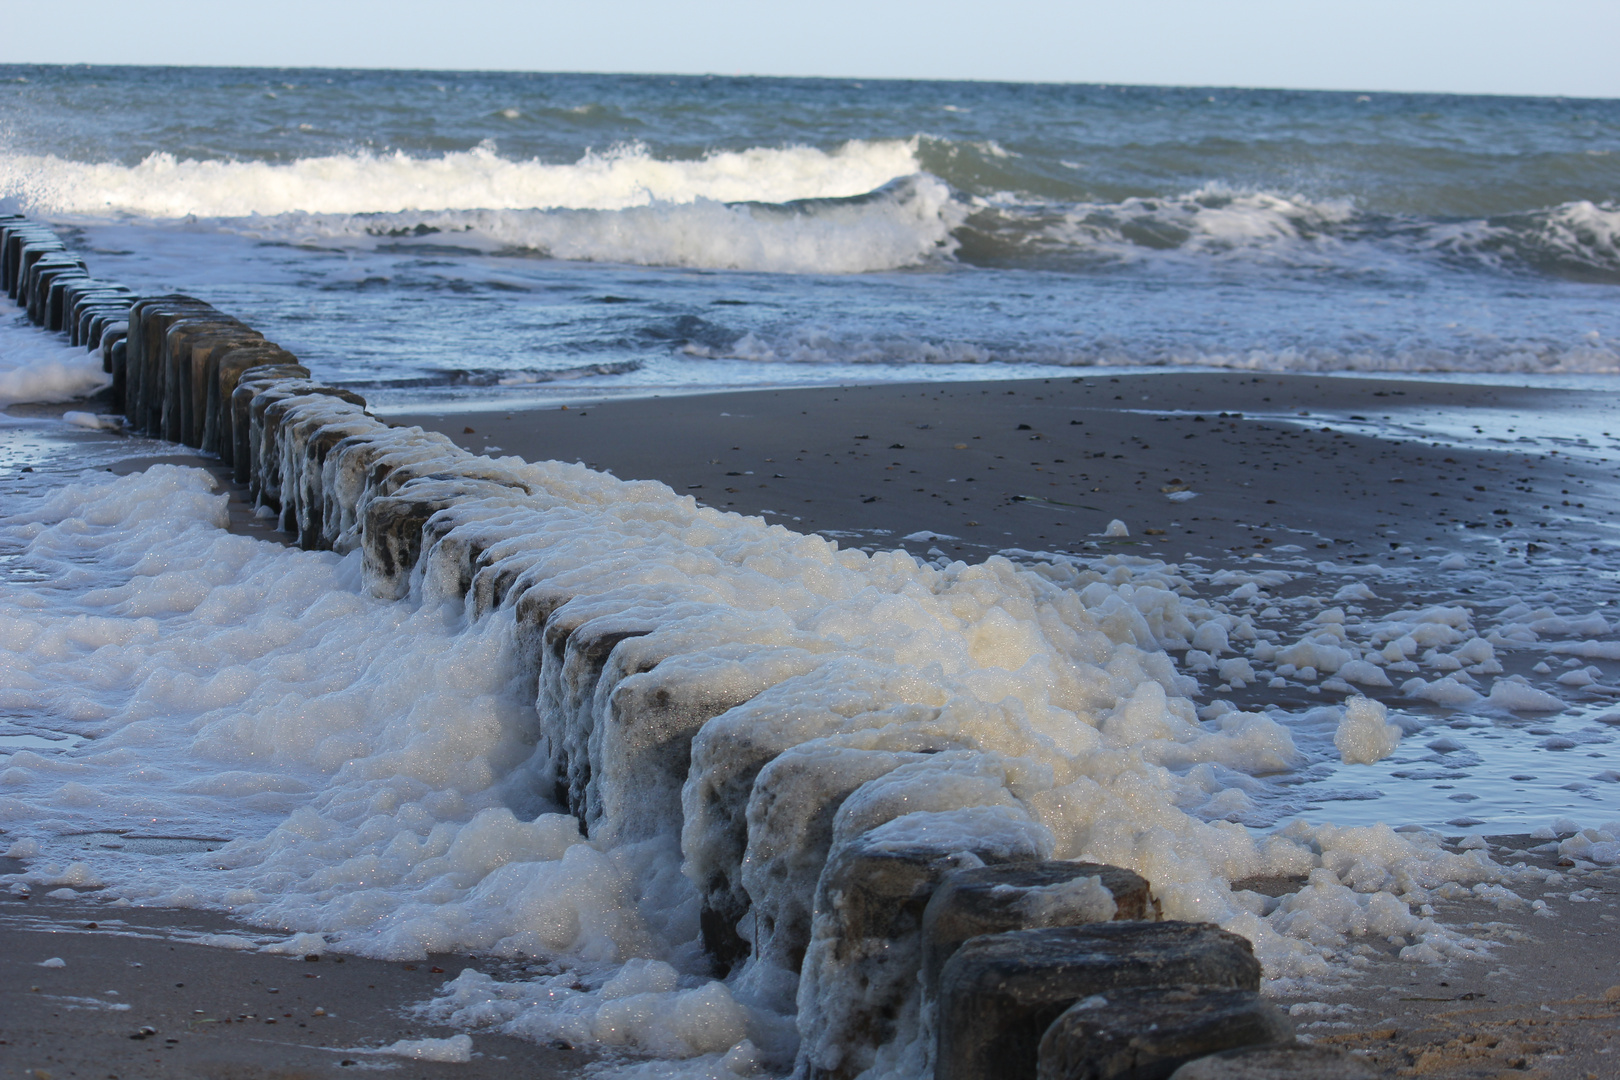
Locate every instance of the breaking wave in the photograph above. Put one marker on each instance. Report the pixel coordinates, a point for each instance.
(163, 186)
(1578, 239)
(864, 205)
(903, 223)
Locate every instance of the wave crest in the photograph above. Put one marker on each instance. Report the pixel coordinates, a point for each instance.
(163, 186)
(904, 223)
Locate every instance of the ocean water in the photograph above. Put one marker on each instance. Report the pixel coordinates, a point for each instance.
(433, 236)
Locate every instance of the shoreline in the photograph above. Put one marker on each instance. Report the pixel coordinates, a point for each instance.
(591, 395)
(760, 453)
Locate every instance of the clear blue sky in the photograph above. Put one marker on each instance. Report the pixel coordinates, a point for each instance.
(1467, 46)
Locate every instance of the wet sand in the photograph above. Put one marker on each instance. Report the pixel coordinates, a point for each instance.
(1544, 1006)
(1046, 465)
(135, 997)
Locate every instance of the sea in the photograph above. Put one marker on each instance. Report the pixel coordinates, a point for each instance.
(508, 237)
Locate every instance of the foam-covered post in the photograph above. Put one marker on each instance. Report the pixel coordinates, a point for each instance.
(457, 544)
(317, 443)
(255, 393)
(999, 993)
(1028, 896)
(248, 385)
(1292, 1061)
(391, 533)
(228, 368)
(790, 832)
(658, 702)
(577, 645)
(348, 471)
(1146, 1033)
(278, 402)
(860, 970)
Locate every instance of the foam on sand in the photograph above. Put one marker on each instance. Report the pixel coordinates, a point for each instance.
(384, 766)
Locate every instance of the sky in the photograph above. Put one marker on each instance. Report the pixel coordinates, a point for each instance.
(1552, 47)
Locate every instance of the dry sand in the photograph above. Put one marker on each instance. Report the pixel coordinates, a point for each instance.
(872, 466)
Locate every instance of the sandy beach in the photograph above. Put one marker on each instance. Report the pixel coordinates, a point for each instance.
(1045, 465)
(963, 470)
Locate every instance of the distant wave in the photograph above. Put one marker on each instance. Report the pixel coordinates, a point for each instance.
(904, 223)
(163, 186)
(866, 205)
(1217, 224)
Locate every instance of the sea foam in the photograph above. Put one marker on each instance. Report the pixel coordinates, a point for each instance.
(38, 368)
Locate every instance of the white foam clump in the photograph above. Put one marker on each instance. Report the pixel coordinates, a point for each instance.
(456, 1049)
(1517, 696)
(93, 421)
(37, 367)
(643, 1006)
(1084, 899)
(162, 186)
(1363, 736)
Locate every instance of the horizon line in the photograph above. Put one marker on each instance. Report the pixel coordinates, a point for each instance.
(819, 78)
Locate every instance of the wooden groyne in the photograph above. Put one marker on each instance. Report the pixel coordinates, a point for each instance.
(955, 945)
